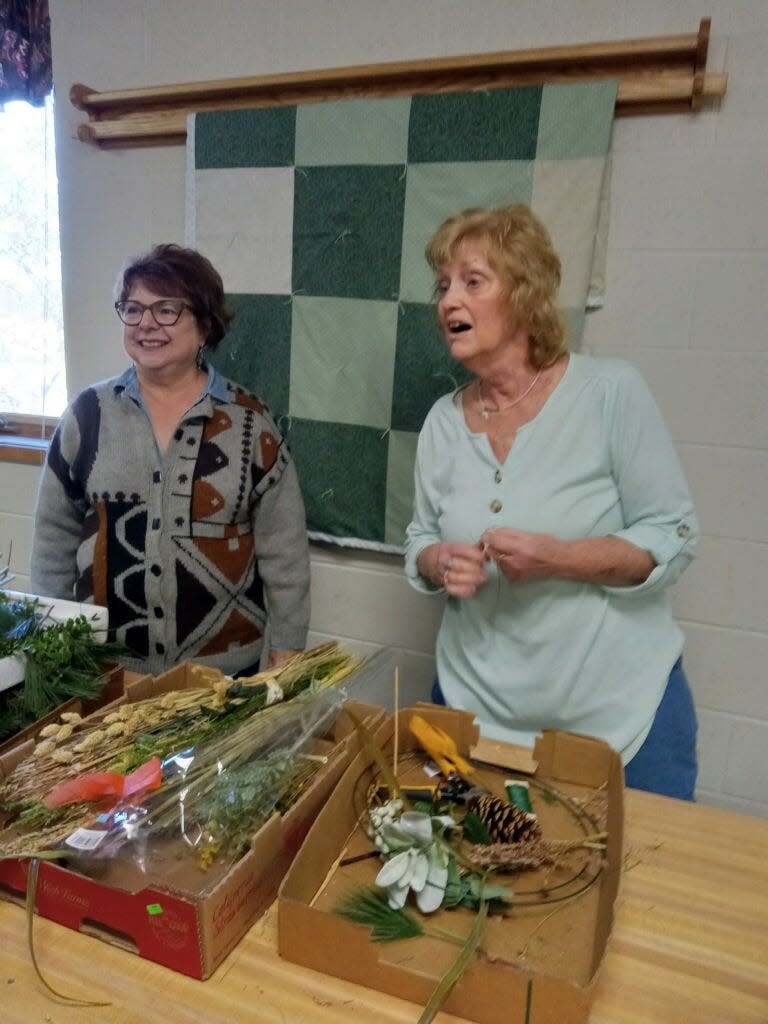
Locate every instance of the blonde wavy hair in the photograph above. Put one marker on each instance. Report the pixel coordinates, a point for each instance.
(519, 249)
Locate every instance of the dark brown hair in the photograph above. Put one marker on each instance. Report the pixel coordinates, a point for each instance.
(175, 272)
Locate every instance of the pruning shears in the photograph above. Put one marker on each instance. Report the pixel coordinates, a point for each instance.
(455, 768)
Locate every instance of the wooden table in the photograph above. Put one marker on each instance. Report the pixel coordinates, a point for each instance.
(690, 946)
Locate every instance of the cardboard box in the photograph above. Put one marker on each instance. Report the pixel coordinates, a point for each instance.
(175, 914)
(538, 964)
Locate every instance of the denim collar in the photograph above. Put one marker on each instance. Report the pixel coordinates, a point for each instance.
(215, 386)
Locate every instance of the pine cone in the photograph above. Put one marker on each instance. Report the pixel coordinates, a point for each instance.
(505, 822)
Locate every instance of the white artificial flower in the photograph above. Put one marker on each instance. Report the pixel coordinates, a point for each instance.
(419, 861)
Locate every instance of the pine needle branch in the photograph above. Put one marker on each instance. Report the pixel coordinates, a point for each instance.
(369, 907)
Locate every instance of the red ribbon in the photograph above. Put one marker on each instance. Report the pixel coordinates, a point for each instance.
(99, 785)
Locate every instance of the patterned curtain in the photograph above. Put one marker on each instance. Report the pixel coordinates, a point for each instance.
(25, 51)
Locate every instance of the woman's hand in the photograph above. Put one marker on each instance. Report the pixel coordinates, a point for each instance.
(277, 658)
(521, 555)
(609, 561)
(459, 568)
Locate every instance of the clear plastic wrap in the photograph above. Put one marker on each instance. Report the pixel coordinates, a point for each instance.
(175, 786)
(214, 797)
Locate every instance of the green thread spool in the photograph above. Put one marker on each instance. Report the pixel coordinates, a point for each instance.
(518, 794)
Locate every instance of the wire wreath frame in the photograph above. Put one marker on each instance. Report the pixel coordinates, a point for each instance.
(545, 895)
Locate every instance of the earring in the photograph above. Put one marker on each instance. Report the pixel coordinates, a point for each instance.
(200, 360)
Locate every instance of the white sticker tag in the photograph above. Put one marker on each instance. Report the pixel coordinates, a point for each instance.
(85, 839)
(431, 769)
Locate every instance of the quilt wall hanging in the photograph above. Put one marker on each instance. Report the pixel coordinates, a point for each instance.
(317, 215)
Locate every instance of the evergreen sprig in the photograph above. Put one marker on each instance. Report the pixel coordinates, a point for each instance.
(62, 660)
(369, 907)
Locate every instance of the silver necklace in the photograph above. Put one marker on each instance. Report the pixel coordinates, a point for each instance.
(491, 411)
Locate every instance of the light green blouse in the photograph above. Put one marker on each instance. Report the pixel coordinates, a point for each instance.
(596, 461)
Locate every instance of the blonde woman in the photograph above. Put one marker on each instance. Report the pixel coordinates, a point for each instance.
(551, 508)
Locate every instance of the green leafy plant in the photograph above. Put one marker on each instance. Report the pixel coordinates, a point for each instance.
(62, 660)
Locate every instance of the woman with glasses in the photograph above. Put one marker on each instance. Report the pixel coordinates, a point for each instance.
(169, 495)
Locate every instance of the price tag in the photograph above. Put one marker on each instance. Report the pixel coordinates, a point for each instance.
(85, 839)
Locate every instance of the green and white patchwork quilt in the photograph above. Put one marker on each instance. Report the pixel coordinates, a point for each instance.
(317, 215)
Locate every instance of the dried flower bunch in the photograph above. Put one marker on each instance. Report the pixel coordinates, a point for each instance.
(225, 752)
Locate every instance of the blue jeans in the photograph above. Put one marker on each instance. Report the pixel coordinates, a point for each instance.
(666, 762)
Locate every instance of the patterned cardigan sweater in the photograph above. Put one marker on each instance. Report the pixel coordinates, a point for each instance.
(191, 550)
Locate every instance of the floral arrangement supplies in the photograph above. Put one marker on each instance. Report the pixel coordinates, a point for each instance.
(48, 661)
(182, 775)
(445, 892)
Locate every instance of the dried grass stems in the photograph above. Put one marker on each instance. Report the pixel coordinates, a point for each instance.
(534, 853)
(226, 723)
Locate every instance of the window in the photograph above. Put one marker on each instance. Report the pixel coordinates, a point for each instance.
(32, 381)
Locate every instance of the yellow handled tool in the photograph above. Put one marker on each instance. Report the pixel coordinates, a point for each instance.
(440, 747)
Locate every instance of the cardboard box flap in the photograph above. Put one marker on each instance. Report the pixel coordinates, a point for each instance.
(570, 757)
(15, 755)
(504, 755)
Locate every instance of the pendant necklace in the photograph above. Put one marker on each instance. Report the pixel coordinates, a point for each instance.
(488, 411)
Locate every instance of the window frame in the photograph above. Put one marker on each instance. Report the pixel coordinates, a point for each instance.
(25, 438)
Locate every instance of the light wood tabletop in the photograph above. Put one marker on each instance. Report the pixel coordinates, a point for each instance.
(689, 946)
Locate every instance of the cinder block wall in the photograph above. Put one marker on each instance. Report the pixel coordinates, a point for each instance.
(687, 286)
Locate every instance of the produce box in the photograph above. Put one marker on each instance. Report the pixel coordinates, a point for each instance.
(167, 909)
(538, 963)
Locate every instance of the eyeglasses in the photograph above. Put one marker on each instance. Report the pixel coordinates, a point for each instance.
(166, 312)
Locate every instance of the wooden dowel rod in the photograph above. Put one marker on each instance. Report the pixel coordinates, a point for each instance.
(660, 89)
(660, 50)
(664, 74)
(169, 127)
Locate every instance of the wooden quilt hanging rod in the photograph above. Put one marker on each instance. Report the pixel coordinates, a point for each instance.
(666, 74)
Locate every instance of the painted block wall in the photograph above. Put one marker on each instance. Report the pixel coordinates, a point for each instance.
(687, 281)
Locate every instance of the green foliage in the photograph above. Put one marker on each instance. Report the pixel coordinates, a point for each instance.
(369, 907)
(371, 746)
(202, 725)
(455, 971)
(469, 890)
(241, 801)
(456, 888)
(34, 815)
(475, 829)
(63, 660)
